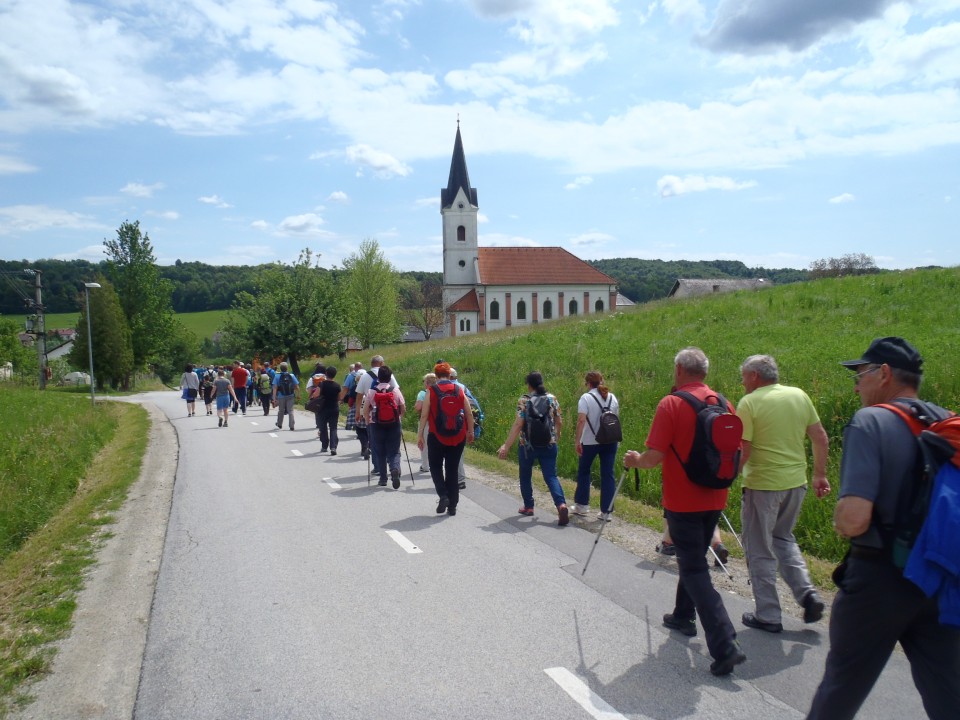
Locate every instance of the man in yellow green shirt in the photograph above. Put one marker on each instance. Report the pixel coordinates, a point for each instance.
(776, 421)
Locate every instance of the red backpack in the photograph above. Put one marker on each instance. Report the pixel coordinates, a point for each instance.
(448, 423)
(386, 405)
(714, 458)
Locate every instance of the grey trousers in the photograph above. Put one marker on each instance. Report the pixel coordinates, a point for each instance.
(285, 406)
(768, 518)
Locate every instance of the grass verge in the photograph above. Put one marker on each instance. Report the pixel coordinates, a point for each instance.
(39, 582)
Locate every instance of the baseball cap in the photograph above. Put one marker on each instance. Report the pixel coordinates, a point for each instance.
(893, 351)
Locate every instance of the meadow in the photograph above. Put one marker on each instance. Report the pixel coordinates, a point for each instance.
(808, 327)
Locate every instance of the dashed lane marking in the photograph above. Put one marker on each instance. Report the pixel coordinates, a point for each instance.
(332, 484)
(273, 435)
(400, 540)
(584, 696)
(297, 453)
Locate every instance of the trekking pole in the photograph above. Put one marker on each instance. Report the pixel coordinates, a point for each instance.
(720, 562)
(603, 524)
(368, 465)
(405, 452)
(727, 521)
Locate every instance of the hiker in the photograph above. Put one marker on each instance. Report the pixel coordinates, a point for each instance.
(207, 388)
(190, 385)
(329, 413)
(477, 419)
(589, 408)
(223, 391)
(365, 381)
(239, 376)
(286, 391)
(446, 413)
(348, 394)
(776, 421)
(691, 510)
(383, 410)
(429, 380)
(876, 606)
(265, 390)
(538, 426)
(249, 368)
(313, 394)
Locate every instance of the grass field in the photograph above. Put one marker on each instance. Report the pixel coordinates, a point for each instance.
(808, 327)
(203, 324)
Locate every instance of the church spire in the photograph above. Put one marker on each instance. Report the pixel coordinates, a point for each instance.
(459, 178)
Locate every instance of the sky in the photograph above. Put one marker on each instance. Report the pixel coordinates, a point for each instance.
(774, 132)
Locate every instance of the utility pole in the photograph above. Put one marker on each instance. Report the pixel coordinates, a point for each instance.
(40, 329)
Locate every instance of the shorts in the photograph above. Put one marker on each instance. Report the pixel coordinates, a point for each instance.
(223, 402)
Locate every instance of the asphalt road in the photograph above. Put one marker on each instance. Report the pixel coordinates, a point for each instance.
(290, 588)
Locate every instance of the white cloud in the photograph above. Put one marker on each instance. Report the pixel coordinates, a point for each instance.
(140, 190)
(306, 224)
(841, 199)
(684, 12)
(214, 200)
(30, 218)
(482, 218)
(13, 166)
(338, 196)
(672, 185)
(578, 183)
(93, 253)
(260, 225)
(382, 164)
(164, 214)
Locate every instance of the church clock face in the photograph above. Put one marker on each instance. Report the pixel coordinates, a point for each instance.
(460, 205)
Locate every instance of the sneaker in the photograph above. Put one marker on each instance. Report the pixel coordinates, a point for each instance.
(382, 483)
(279, 426)
(750, 620)
(685, 627)
(423, 469)
(219, 422)
(564, 514)
(323, 448)
(525, 511)
(442, 506)
(396, 479)
(579, 509)
(291, 428)
(603, 516)
(452, 510)
(333, 452)
(667, 548)
(722, 555)
(812, 607)
(462, 484)
(726, 664)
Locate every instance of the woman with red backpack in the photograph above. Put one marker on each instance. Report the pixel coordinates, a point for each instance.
(383, 410)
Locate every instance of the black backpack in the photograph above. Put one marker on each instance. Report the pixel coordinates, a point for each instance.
(539, 420)
(608, 429)
(714, 459)
(285, 384)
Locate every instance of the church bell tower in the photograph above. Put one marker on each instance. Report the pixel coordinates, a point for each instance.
(458, 209)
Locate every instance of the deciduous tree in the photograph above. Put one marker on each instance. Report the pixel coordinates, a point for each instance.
(371, 287)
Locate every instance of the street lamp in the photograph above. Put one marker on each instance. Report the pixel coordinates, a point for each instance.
(86, 289)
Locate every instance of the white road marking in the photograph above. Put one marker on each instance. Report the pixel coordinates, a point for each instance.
(332, 484)
(297, 453)
(273, 435)
(400, 540)
(254, 422)
(585, 697)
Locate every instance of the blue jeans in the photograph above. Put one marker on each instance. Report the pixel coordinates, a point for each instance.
(608, 483)
(548, 465)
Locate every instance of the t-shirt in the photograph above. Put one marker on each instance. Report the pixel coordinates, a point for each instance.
(239, 376)
(587, 405)
(365, 381)
(222, 386)
(674, 425)
(522, 413)
(879, 456)
(330, 392)
(190, 380)
(775, 421)
(276, 384)
(370, 399)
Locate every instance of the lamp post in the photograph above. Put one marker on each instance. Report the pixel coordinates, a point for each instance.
(86, 289)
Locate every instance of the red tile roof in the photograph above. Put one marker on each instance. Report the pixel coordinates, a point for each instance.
(537, 265)
(468, 303)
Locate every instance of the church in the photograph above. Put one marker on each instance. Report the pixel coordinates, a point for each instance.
(489, 288)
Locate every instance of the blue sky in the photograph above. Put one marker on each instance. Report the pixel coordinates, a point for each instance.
(775, 132)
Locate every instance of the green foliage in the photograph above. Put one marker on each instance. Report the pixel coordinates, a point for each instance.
(371, 288)
(12, 350)
(112, 346)
(179, 348)
(296, 312)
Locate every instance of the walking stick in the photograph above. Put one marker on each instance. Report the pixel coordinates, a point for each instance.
(719, 561)
(603, 524)
(727, 521)
(405, 452)
(368, 457)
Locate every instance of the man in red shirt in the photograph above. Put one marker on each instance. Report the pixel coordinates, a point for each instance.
(239, 376)
(691, 511)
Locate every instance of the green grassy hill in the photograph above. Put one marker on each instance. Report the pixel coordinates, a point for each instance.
(203, 324)
(808, 327)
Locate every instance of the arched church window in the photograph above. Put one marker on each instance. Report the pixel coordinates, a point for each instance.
(572, 307)
(495, 310)
(461, 233)
(461, 326)
(598, 306)
(468, 326)
(547, 310)
(521, 310)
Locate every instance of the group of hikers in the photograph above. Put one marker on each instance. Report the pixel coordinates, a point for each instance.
(702, 443)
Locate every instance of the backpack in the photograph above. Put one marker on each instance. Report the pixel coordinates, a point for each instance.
(539, 420)
(266, 385)
(714, 458)
(608, 429)
(448, 420)
(938, 444)
(476, 411)
(315, 400)
(285, 384)
(386, 405)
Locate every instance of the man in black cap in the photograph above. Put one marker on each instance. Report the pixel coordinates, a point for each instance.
(876, 607)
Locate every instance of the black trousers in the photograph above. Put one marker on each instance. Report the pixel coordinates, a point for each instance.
(444, 461)
(874, 610)
(691, 533)
(327, 424)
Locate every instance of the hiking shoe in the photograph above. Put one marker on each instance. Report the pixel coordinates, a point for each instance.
(219, 422)
(382, 483)
(725, 665)
(722, 554)
(603, 516)
(579, 509)
(333, 452)
(396, 479)
(812, 607)
(667, 548)
(423, 469)
(750, 620)
(462, 484)
(452, 510)
(685, 627)
(442, 506)
(564, 514)
(279, 426)
(525, 511)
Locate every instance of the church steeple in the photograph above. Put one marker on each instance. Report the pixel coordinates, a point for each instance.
(459, 177)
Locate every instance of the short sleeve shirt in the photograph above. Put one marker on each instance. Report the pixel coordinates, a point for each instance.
(239, 376)
(522, 413)
(671, 433)
(222, 386)
(371, 399)
(276, 383)
(775, 421)
(590, 405)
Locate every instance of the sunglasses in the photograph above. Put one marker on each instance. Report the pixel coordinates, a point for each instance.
(856, 378)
